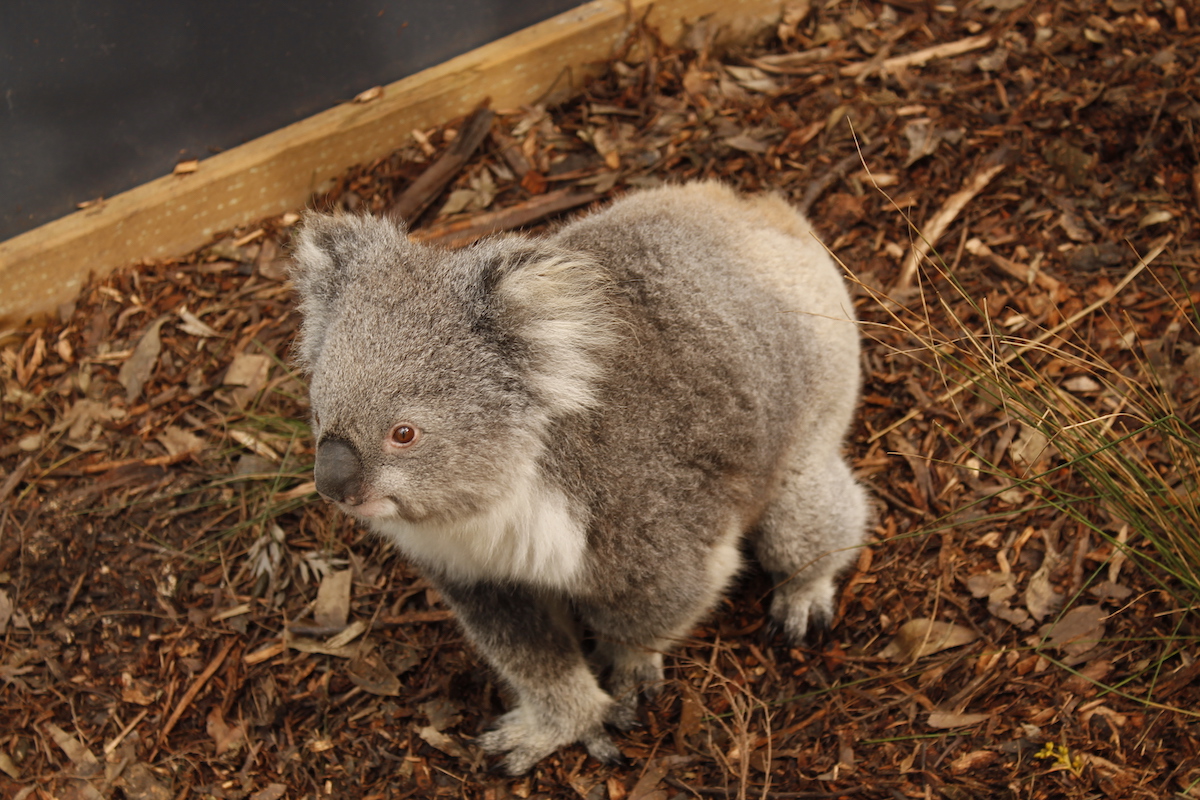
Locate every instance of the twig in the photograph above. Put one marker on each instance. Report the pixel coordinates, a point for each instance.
(120, 737)
(193, 690)
(919, 57)
(1011, 268)
(1037, 340)
(421, 192)
(835, 173)
(939, 222)
(15, 477)
(464, 231)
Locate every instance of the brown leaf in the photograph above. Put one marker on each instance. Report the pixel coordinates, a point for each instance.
(332, 607)
(923, 139)
(85, 761)
(435, 738)
(177, 441)
(976, 759)
(1078, 631)
(443, 712)
(227, 737)
(1040, 597)
(369, 672)
(272, 791)
(249, 370)
(6, 610)
(923, 637)
(950, 719)
(138, 368)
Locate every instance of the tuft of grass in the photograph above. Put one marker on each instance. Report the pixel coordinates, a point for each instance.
(1117, 455)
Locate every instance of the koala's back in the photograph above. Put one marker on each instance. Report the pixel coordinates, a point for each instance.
(738, 347)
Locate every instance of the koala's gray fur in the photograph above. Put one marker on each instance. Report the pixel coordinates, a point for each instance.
(599, 416)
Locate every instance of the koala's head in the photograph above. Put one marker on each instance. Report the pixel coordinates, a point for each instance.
(434, 374)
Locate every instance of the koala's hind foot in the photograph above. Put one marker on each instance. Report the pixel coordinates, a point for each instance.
(807, 536)
(633, 671)
(536, 728)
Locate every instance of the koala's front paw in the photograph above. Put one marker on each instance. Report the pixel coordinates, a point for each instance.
(799, 609)
(527, 738)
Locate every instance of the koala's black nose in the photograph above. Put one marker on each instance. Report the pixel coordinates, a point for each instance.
(338, 471)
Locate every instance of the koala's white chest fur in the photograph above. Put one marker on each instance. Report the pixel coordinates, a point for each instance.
(530, 537)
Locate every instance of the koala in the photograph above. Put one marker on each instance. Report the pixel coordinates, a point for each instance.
(577, 432)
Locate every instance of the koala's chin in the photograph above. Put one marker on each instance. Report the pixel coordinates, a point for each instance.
(379, 508)
(579, 431)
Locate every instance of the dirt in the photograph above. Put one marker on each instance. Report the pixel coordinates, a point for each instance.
(183, 617)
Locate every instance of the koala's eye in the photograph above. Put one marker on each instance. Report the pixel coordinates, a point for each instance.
(403, 435)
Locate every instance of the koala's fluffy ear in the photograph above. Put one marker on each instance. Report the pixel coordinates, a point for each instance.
(557, 303)
(327, 252)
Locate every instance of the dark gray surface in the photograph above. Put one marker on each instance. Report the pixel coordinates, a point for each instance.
(101, 96)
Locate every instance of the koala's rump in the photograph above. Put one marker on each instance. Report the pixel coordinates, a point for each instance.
(738, 347)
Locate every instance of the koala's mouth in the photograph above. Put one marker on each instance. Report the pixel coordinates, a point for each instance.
(382, 508)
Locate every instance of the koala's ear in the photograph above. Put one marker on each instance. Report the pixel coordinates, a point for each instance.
(556, 302)
(329, 249)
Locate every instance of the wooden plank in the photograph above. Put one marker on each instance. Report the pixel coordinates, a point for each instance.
(175, 214)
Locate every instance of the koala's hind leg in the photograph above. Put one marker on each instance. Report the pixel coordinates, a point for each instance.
(529, 639)
(809, 534)
(631, 645)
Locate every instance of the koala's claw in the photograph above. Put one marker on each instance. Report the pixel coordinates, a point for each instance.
(601, 748)
(622, 714)
(526, 742)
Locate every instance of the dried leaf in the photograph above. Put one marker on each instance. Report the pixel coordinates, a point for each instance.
(1078, 631)
(1155, 218)
(272, 791)
(177, 441)
(923, 637)
(332, 607)
(255, 445)
(6, 610)
(949, 719)
(923, 139)
(85, 761)
(1040, 597)
(227, 737)
(82, 415)
(1030, 448)
(747, 144)
(249, 370)
(458, 201)
(435, 738)
(976, 759)
(9, 767)
(138, 368)
(443, 712)
(753, 78)
(1081, 383)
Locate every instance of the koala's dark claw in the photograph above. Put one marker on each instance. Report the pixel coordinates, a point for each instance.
(623, 717)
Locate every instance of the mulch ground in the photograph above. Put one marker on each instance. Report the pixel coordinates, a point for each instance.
(181, 617)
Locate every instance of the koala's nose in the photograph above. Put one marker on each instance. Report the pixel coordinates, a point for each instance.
(338, 471)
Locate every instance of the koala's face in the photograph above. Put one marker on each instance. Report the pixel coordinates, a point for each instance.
(418, 408)
(411, 428)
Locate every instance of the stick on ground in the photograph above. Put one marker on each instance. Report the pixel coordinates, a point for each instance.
(421, 192)
(464, 231)
(994, 164)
